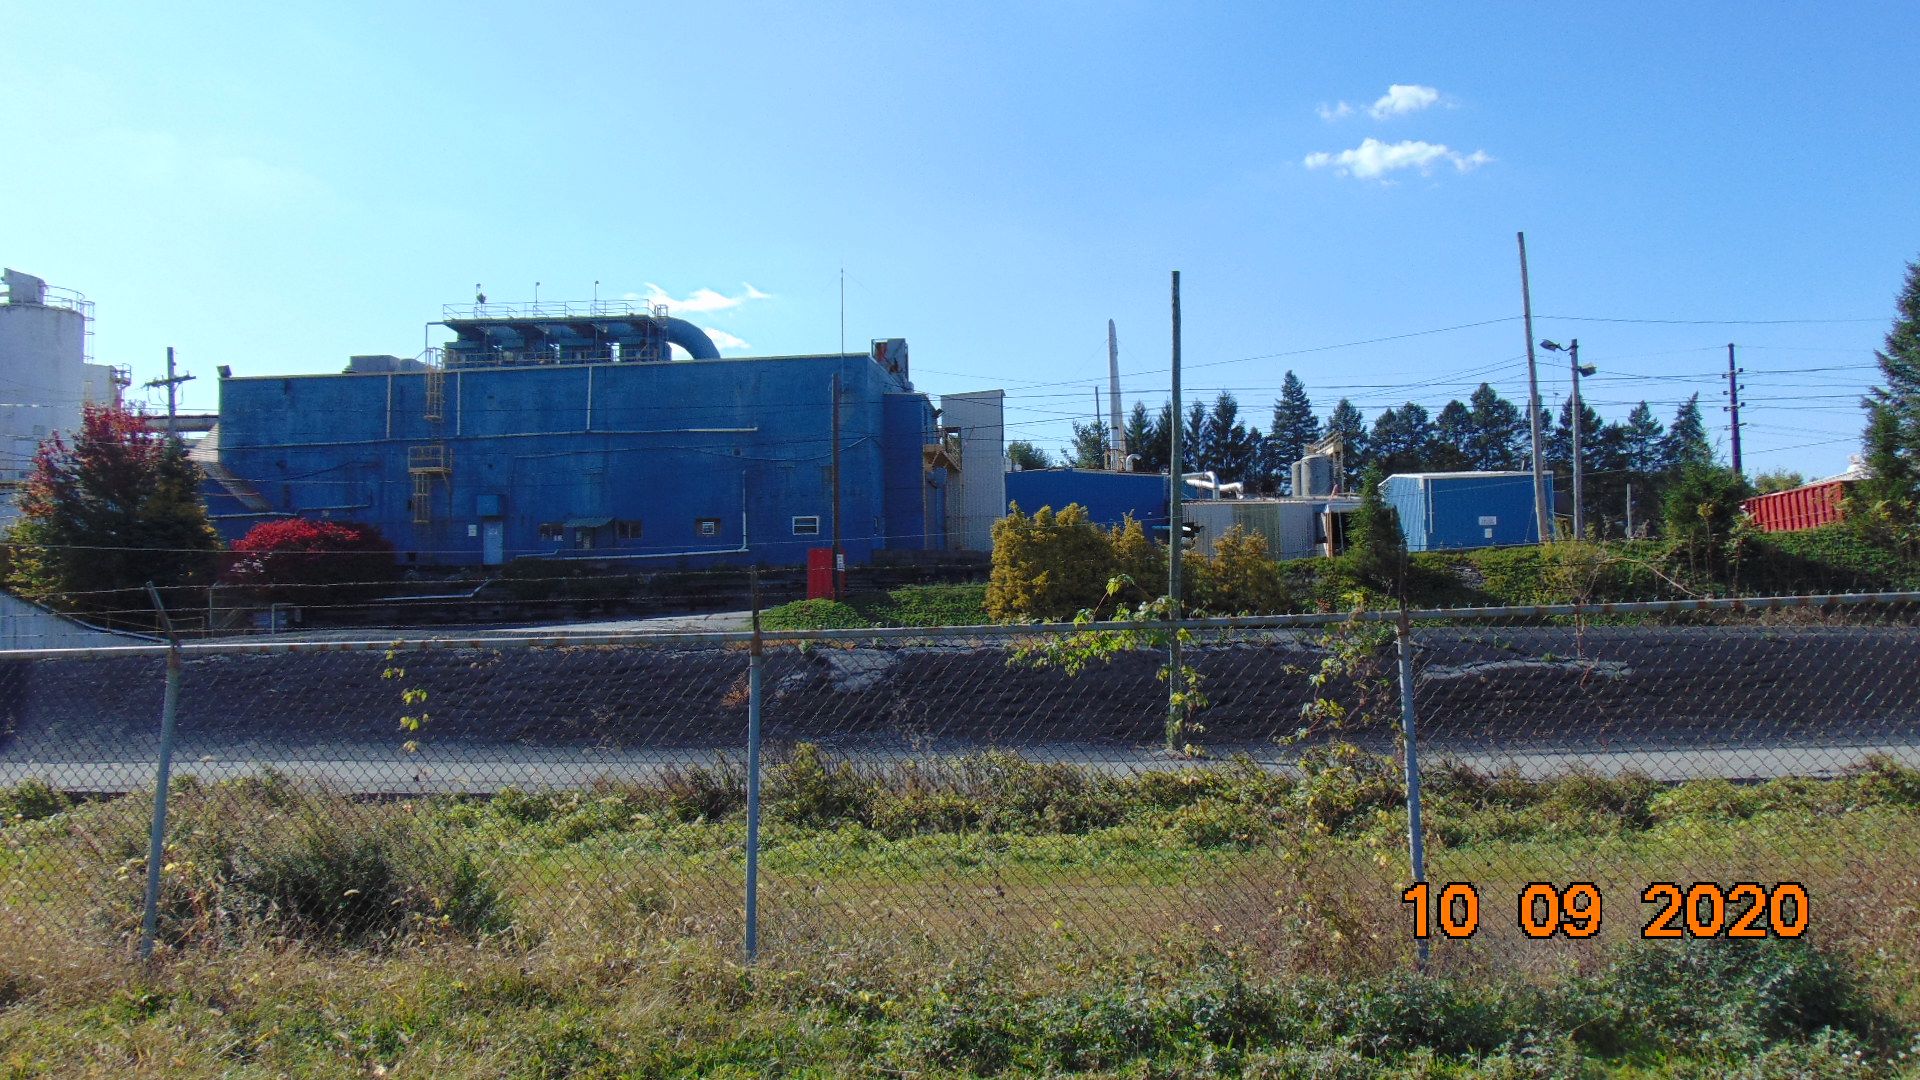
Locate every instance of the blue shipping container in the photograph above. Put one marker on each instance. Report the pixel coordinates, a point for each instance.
(1453, 510)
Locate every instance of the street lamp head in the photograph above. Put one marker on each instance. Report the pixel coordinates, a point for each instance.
(1551, 346)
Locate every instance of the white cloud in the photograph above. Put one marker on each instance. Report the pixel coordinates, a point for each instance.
(724, 340)
(699, 301)
(1337, 111)
(1373, 159)
(1401, 99)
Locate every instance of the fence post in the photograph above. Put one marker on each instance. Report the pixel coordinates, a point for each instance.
(1416, 839)
(157, 842)
(755, 659)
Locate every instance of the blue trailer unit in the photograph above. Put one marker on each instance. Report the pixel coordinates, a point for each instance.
(604, 453)
(1109, 497)
(1450, 510)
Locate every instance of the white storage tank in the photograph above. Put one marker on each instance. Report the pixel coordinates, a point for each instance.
(43, 355)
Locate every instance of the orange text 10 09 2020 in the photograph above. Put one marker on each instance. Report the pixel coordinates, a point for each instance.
(1542, 909)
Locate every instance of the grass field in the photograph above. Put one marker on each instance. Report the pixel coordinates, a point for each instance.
(985, 916)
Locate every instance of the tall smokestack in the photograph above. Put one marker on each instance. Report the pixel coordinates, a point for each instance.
(1113, 394)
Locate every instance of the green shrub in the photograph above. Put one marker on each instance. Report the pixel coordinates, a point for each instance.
(808, 789)
(704, 792)
(813, 615)
(932, 605)
(1626, 798)
(1343, 786)
(1221, 823)
(1710, 799)
(1726, 991)
(1881, 780)
(31, 799)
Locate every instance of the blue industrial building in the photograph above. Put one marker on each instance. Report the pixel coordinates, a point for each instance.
(1109, 497)
(569, 430)
(1443, 510)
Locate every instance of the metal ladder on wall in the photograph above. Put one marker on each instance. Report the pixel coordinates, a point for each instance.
(427, 464)
(430, 463)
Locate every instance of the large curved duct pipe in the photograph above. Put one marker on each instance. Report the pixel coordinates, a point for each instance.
(691, 338)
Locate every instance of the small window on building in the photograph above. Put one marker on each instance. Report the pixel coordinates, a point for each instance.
(583, 539)
(553, 532)
(807, 526)
(707, 526)
(626, 531)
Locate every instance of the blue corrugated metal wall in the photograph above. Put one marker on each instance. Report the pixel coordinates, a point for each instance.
(688, 454)
(1108, 496)
(1452, 511)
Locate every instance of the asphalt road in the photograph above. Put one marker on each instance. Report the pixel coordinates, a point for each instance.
(1673, 702)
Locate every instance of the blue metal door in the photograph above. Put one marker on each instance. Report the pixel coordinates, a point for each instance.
(493, 542)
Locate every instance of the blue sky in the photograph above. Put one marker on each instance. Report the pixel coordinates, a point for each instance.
(275, 187)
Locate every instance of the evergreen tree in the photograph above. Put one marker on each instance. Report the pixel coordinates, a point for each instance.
(1602, 460)
(1452, 436)
(1229, 449)
(1686, 442)
(1401, 440)
(1193, 439)
(1643, 436)
(1892, 439)
(100, 518)
(1346, 421)
(1159, 451)
(1089, 450)
(1294, 428)
(1376, 548)
(1024, 455)
(1498, 435)
(1141, 437)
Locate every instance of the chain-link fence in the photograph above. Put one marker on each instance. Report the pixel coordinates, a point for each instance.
(1582, 775)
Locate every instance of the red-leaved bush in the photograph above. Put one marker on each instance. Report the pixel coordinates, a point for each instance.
(299, 561)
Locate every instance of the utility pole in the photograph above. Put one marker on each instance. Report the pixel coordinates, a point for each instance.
(1579, 510)
(1106, 454)
(1733, 407)
(172, 383)
(839, 558)
(1629, 509)
(1542, 506)
(1176, 540)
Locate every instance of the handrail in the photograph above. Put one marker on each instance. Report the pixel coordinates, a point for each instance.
(556, 309)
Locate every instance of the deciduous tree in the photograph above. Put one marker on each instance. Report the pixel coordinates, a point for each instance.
(117, 508)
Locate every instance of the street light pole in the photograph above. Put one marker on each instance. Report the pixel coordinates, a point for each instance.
(1574, 418)
(1579, 508)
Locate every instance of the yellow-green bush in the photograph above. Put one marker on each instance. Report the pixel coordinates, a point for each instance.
(1239, 578)
(1048, 566)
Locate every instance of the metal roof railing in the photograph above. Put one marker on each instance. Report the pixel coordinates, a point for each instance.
(557, 309)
